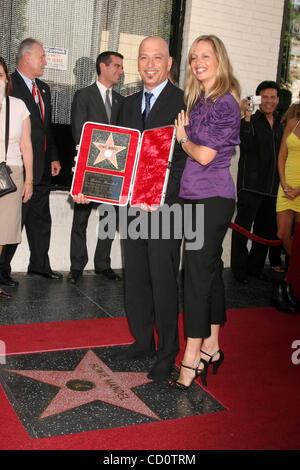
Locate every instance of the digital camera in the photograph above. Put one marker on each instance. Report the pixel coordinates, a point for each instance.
(254, 101)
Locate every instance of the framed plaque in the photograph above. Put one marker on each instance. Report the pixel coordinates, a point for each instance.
(117, 165)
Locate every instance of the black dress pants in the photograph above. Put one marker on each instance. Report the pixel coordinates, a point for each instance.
(204, 294)
(151, 293)
(259, 210)
(78, 248)
(37, 221)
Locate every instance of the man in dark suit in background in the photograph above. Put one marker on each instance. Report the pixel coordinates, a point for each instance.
(151, 266)
(95, 103)
(36, 217)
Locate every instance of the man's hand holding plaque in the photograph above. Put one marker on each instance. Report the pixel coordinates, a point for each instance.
(81, 199)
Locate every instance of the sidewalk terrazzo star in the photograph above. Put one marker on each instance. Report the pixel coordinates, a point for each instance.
(91, 380)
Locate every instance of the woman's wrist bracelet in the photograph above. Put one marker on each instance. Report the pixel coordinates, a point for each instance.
(183, 141)
(28, 182)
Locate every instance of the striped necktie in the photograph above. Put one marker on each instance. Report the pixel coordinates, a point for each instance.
(146, 111)
(38, 100)
(108, 105)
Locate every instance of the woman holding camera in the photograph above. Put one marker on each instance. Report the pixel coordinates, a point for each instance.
(208, 133)
(18, 157)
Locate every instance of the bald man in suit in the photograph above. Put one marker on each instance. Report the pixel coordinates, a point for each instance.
(89, 105)
(151, 266)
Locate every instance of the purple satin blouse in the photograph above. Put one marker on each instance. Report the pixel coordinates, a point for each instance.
(217, 126)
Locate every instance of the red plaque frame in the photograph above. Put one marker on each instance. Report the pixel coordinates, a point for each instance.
(118, 165)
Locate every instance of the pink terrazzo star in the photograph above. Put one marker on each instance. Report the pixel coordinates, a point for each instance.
(91, 380)
(108, 151)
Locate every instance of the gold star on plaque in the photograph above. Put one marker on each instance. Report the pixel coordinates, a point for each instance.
(108, 151)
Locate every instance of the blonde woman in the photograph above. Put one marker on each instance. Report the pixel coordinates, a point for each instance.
(19, 157)
(208, 133)
(288, 198)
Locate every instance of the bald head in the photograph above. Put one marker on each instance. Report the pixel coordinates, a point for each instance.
(155, 42)
(154, 61)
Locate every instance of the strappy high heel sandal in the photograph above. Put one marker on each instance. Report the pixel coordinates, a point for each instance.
(181, 386)
(215, 364)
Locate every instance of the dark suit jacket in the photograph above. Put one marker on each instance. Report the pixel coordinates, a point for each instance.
(41, 158)
(164, 112)
(259, 151)
(88, 105)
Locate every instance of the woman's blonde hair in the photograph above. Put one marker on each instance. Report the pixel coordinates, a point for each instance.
(225, 79)
(291, 113)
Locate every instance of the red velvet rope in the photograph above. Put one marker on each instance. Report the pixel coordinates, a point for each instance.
(253, 237)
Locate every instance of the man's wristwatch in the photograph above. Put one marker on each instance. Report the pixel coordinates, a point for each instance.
(183, 140)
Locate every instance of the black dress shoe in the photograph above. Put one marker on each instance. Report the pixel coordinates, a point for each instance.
(132, 352)
(161, 371)
(279, 299)
(73, 276)
(4, 295)
(241, 278)
(6, 280)
(290, 296)
(259, 275)
(50, 275)
(109, 274)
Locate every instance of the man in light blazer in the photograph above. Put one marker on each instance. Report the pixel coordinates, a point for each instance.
(36, 216)
(89, 105)
(151, 266)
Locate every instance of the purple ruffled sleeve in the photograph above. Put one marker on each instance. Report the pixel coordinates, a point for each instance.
(216, 124)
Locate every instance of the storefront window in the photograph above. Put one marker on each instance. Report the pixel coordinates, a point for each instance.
(73, 33)
(290, 71)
